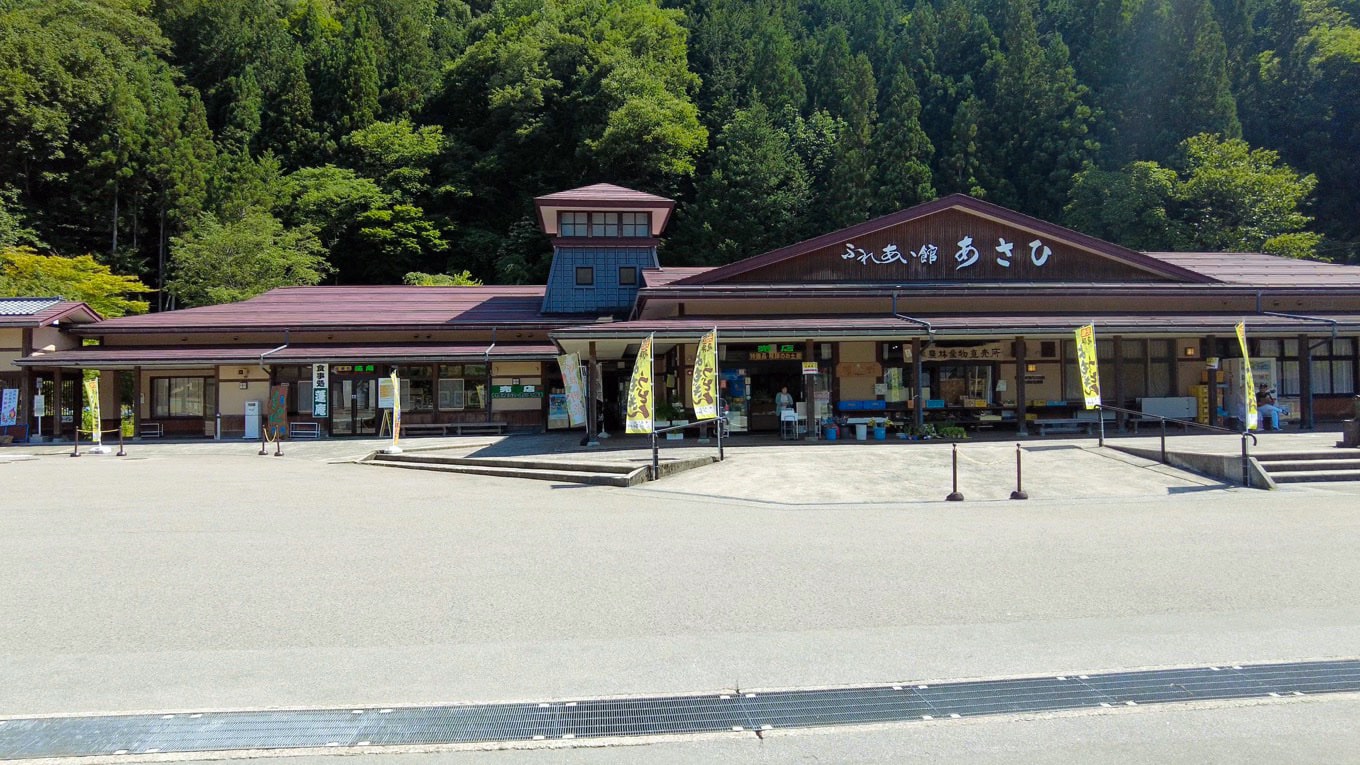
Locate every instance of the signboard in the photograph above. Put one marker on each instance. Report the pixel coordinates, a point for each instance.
(9, 406)
(277, 417)
(40, 405)
(352, 369)
(980, 352)
(516, 391)
(321, 390)
(1088, 366)
(810, 367)
(385, 391)
(557, 411)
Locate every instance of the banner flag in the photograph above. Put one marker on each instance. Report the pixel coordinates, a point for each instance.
(574, 382)
(91, 420)
(1248, 381)
(640, 401)
(704, 387)
(9, 407)
(396, 409)
(1088, 365)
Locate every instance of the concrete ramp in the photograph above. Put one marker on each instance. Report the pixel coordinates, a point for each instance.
(594, 473)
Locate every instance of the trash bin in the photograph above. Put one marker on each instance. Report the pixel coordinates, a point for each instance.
(861, 431)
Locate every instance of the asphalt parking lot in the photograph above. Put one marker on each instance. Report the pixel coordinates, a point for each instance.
(204, 578)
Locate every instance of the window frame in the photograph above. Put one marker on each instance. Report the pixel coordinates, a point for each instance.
(635, 225)
(604, 225)
(207, 397)
(589, 270)
(573, 224)
(633, 282)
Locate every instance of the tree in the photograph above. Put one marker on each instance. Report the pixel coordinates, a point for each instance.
(27, 273)
(14, 229)
(393, 241)
(902, 150)
(851, 187)
(1222, 196)
(397, 155)
(222, 262)
(460, 279)
(753, 199)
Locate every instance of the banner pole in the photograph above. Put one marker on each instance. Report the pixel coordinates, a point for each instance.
(717, 392)
(651, 394)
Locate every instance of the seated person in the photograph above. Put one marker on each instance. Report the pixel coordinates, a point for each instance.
(1267, 412)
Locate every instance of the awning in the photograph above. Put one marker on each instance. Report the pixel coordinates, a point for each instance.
(122, 357)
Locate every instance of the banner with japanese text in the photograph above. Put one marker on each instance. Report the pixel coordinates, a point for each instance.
(1088, 366)
(91, 420)
(9, 407)
(641, 405)
(704, 387)
(1248, 381)
(396, 408)
(574, 383)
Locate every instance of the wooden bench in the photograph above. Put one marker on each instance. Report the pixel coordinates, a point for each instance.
(1062, 425)
(150, 430)
(304, 430)
(456, 428)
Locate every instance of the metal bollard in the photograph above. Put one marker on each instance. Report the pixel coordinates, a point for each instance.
(1019, 492)
(278, 444)
(955, 496)
(75, 444)
(263, 450)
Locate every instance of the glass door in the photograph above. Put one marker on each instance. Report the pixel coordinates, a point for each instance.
(354, 406)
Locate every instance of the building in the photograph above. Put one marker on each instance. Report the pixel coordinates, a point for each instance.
(955, 310)
(38, 325)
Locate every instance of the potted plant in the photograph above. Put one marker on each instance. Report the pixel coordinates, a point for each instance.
(880, 428)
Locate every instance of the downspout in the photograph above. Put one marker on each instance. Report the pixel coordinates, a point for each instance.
(487, 360)
(1332, 322)
(274, 350)
(930, 331)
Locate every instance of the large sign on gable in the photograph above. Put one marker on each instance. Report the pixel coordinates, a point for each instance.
(950, 245)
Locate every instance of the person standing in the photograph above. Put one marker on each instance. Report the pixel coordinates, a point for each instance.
(783, 400)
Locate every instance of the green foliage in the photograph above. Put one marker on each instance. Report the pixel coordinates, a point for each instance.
(396, 240)
(222, 262)
(460, 279)
(397, 155)
(1223, 196)
(27, 273)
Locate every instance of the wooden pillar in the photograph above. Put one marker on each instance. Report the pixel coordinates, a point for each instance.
(809, 354)
(919, 409)
(1306, 421)
(1021, 398)
(25, 413)
(56, 404)
(1118, 380)
(137, 401)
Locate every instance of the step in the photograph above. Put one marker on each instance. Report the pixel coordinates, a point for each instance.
(441, 459)
(1295, 466)
(567, 476)
(1334, 454)
(1309, 476)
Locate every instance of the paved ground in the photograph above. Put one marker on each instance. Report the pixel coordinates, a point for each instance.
(202, 576)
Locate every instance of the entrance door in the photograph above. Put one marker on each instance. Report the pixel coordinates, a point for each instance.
(354, 406)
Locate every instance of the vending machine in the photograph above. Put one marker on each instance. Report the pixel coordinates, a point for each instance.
(253, 419)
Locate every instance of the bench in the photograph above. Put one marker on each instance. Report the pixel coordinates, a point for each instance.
(304, 430)
(1063, 425)
(150, 430)
(456, 428)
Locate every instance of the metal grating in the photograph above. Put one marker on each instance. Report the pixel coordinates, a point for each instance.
(23, 738)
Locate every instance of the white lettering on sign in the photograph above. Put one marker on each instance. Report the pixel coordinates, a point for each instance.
(966, 256)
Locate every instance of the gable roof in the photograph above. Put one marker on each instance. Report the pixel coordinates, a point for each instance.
(962, 202)
(603, 192)
(22, 312)
(1261, 270)
(354, 308)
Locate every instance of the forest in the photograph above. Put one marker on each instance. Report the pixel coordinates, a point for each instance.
(173, 153)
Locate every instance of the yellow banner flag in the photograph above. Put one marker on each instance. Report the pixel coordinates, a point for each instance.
(641, 405)
(704, 388)
(91, 415)
(1248, 381)
(1088, 366)
(396, 409)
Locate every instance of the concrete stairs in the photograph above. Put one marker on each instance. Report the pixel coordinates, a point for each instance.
(595, 474)
(1310, 467)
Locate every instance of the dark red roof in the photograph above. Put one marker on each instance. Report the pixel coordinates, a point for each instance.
(199, 355)
(41, 312)
(1265, 271)
(602, 192)
(954, 325)
(354, 308)
(953, 201)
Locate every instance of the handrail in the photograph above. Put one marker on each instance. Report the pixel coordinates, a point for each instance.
(1245, 434)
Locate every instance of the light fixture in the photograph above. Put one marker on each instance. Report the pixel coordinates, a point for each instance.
(1189, 351)
(1031, 368)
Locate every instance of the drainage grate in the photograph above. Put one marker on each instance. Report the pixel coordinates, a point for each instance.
(321, 728)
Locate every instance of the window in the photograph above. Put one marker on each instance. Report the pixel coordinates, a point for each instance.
(637, 224)
(182, 396)
(462, 386)
(585, 276)
(572, 224)
(417, 388)
(604, 224)
(628, 275)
